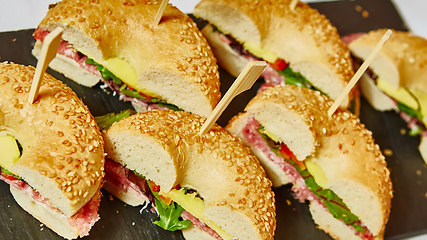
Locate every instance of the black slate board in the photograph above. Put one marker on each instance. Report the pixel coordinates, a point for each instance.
(118, 221)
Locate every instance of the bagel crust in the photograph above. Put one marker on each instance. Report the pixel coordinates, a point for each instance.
(233, 185)
(340, 145)
(172, 59)
(62, 147)
(301, 36)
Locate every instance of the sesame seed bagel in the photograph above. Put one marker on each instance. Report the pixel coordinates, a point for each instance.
(62, 148)
(401, 63)
(302, 36)
(166, 148)
(172, 60)
(340, 146)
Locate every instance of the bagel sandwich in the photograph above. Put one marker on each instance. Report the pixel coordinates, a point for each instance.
(165, 65)
(332, 162)
(396, 77)
(52, 152)
(212, 181)
(301, 46)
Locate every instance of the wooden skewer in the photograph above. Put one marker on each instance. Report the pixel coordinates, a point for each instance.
(244, 81)
(48, 52)
(359, 72)
(293, 4)
(159, 13)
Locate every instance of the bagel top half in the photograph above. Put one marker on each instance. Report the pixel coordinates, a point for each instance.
(171, 60)
(301, 36)
(165, 147)
(62, 148)
(401, 61)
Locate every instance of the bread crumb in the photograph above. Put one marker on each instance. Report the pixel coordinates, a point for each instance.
(14, 40)
(403, 131)
(288, 202)
(11, 219)
(358, 8)
(388, 152)
(117, 211)
(418, 172)
(133, 223)
(365, 14)
(111, 198)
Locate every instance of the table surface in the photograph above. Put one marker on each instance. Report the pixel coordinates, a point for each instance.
(409, 211)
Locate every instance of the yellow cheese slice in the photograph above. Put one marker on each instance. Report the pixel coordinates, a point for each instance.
(9, 151)
(401, 94)
(422, 100)
(271, 135)
(120, 68)
(317, 173)
(259, 52)
(194, 205)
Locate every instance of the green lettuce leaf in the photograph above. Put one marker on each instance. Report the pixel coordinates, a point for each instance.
(4, 170)
(414, 114)
(132, 93)
(105, 121)
(105, 73)
(411, 112)
(169, 216)
(165, 104)
(296, 79)
(332, 202)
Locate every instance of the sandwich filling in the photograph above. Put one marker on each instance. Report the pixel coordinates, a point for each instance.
(83, 220)
(300, 173)
(277, 71)
(128, 91)
(411, 104)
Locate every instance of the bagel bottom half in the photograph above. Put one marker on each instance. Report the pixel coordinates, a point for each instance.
(70, 68)
(216, 169)
(50, 217)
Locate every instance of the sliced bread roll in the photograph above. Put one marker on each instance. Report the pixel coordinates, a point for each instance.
(301, 36)
(166, 148)
(400, 70)
(345, 158)
(61, 160)
(171, 60)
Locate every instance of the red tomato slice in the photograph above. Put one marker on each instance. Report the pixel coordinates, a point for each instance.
(154, 187)
(287, 153)
(279, 64)
(165, 199)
